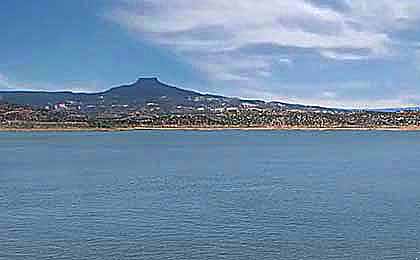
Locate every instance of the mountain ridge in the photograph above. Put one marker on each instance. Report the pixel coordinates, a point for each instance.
(144, 91)
(147, 90)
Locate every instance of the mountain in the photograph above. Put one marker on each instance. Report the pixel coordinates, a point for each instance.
(151, 90)
(395, 110)
(144, 92)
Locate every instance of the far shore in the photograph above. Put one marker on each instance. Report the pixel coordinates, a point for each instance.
(402, 129)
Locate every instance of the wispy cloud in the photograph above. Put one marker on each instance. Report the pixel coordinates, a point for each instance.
(228, 39)
(384, 15)
(341, 55)
(337, 95)
(10, 84)
(218, 25)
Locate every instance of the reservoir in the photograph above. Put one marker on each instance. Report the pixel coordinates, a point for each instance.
(210, 195)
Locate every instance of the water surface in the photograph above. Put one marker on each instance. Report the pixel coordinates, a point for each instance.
(210, 195)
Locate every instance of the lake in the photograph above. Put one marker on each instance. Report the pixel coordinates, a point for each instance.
(210, 195)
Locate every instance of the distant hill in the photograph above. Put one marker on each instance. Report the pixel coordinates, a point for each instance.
(394, 110)
(143, 92)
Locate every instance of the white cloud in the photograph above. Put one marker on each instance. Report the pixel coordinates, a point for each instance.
(337, 55)
(226, 25)
(384, 15)
(333, 99)
(227, 39)
(221, 27)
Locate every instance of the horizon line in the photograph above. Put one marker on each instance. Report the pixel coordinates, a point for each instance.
(157, 79)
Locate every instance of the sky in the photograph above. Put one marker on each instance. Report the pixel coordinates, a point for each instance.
(337, 53)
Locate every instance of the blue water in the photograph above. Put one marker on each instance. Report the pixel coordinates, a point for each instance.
(210, 195)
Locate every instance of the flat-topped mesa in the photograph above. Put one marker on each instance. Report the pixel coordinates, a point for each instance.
(150, 80)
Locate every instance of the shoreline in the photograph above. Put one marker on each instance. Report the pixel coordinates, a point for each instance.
(131, 129)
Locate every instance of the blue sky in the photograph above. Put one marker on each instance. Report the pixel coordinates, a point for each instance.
(341, 53)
